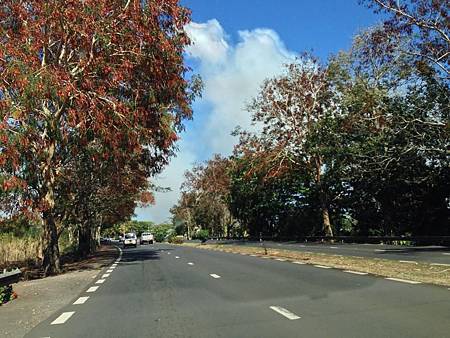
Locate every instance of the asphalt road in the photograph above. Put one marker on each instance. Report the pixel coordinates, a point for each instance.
(429, 254)
(171, 291)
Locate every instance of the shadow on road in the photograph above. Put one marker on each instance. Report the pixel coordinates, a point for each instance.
(141, 253)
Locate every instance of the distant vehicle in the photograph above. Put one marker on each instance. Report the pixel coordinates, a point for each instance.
(130, 239)
(147, 237)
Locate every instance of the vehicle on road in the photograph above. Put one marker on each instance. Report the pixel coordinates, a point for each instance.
(147, 237)
(130, 239)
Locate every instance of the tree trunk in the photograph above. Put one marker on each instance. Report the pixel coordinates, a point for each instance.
(51, 263)
(84, 240)
(328, 230)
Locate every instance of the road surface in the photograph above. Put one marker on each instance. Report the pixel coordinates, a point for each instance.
(173, 291)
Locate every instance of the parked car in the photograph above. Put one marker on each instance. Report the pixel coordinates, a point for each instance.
(147, 237)
(130, 239)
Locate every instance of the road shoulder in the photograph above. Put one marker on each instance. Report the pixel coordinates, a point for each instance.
(38, 299)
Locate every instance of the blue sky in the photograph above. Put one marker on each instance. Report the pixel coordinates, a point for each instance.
(236, 45)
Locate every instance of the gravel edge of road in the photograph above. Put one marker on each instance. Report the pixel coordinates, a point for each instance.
(38, 299)
(418, 271)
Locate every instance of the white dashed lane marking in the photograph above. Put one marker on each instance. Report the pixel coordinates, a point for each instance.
(213, 275)
(356, 272)
(106, 275)
(446, 253)
(190, 263)
(409, 262)
(280, 259)
(92, 289)
(440, 264)
(62, 318)
(100, 281)
(286, 313)
(81, 300)
(110, 270)
(322, 266)
(403, 280)
(334, 247)
(299, 263)
(177, 257)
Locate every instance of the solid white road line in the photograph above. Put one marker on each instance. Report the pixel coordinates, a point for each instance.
(446, 253)
(322, 266)
(190, 263)
(81, 300)
(105, 275)
(403, 280)
(440, 264)
(62, 318)
(177, 257)
(280, 259)
(254, 255)
(100, 281)
(286, 313)
(299, 263)
(356, 272)
(213, 275)
(334, 247)
(92, 289)
(379, 250)
(410, 262)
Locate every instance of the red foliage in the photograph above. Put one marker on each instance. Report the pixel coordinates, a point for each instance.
(95, 72)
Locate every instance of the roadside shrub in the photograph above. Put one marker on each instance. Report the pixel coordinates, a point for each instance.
(159, 237)
(6, 294)
(176, 239)
(202, 235)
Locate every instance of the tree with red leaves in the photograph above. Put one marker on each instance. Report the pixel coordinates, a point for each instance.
(79, 73)
(291, 108)
(418, 28)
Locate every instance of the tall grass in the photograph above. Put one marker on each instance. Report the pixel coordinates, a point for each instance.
(21, 250)
(25, 249)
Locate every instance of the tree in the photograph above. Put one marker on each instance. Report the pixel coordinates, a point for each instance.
(289, 108)
(84, 72)
(276, 206)
(204, 199)
(423, 24)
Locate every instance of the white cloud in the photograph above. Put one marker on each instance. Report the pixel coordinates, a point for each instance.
(208, 41)
(232, 76)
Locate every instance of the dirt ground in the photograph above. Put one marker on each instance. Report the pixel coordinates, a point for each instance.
(40, 298)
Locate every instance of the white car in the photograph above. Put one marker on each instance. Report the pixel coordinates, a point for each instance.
(130, 239)
(147, 237)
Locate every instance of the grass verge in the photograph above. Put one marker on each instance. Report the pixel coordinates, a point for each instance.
(420, 272)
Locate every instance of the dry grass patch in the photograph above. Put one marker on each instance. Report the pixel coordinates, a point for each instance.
(15, 249)
(420, 272)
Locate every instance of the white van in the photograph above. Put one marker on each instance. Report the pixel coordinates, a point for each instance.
(146, 237)
(130, 239)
